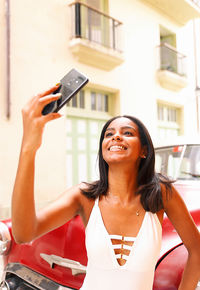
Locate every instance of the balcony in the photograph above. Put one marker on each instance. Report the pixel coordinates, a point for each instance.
(172, 68)
(96, 37)
(180, 11)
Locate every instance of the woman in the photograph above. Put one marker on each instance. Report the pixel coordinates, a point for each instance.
(122, 212)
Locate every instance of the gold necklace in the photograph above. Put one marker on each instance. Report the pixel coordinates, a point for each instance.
(137, 212)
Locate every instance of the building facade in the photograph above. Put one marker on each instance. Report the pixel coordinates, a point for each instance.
(141, 57)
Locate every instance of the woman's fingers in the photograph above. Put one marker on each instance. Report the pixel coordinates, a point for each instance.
(49, 91)
(49, 98)
(34, 100)
(43, 101)
(33, 109)
(34, 121)
(50, 117)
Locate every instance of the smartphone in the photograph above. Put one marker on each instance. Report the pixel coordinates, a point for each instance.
(70, 85)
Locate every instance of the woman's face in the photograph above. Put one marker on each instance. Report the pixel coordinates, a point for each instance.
(121, 142)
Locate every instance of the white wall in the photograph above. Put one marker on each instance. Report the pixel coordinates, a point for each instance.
(40, 33)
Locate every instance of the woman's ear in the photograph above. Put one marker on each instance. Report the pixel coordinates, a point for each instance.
(144, 152)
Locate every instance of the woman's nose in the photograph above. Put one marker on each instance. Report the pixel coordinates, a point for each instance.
(116, 137)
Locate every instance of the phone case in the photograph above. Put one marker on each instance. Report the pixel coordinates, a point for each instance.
(71, 84)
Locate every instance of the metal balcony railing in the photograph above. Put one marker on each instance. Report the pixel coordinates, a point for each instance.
(172, 60)
(95, 26)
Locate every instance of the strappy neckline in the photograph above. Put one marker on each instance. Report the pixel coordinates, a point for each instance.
(132, 249)
(122, 246)
(125, 238)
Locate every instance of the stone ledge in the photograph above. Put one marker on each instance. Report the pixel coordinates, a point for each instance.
(171, 81)
(95, 54)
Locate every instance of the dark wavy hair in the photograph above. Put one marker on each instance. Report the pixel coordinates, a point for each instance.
(149, 182)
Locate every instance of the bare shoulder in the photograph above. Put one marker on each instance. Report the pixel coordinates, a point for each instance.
(70, 196)
(166, 193)
(74, 195)
(78, 190)
(179, 215)
(171, 197)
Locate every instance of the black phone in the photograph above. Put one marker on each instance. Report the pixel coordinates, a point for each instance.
(70, 85)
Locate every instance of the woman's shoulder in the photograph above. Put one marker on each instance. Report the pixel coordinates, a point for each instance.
(84, 193)
(77, 191)
(170, 196)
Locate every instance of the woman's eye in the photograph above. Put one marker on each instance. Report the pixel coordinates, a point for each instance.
(128, 133)
(108, 134)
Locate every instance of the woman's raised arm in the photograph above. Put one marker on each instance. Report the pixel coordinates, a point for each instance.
(26, 224)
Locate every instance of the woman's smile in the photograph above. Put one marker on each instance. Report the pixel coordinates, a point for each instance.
(117, 148)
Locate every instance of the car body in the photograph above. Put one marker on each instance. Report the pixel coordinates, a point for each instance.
(58, 259)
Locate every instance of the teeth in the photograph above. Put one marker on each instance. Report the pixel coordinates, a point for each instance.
(116, 148)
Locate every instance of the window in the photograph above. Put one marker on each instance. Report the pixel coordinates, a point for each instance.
(168, 54)
(171, 114)
(78, 101)
(91, 100)
(171, 59)
(168, 114)
(160, 113)
(99, 102)
(82, 99)
(168, 121)
(182, 162)
(166, 36)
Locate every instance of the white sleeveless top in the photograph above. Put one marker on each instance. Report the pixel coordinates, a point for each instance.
(103, 270)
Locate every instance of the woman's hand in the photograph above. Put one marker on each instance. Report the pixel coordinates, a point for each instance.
(34, 121)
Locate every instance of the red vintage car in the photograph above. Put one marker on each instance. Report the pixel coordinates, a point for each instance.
(58, 259)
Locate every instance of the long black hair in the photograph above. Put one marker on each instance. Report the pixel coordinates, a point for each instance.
(148, 181)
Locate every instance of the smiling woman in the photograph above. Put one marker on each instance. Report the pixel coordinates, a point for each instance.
(122, 211)
(138, 153)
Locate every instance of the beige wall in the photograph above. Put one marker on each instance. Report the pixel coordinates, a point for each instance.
(40, 56)
(140, 89)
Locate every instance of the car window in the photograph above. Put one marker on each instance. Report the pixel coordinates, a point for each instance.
(179, 162)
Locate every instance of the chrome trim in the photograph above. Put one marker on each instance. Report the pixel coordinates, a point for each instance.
(4, 247)
(33, 278)
(198, 286)
(4, 285)
(5, 239)
(180, 161)
(75, 266)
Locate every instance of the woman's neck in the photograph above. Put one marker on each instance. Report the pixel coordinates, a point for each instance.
(122, 183)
